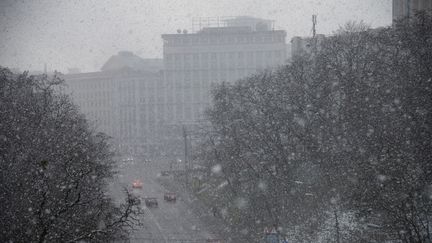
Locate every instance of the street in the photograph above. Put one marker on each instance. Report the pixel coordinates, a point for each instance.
(170, 221)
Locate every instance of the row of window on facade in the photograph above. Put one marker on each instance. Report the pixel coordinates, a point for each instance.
(189, 95)
(181, 40)
(224, 60)
(161, 113)
(149, 120)
(98, 83)
(184, 91)
(110, 85)
(205, 78)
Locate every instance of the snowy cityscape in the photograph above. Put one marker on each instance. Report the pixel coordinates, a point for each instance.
(216, 121)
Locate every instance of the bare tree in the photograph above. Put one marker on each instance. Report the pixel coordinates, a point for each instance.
(54, 168)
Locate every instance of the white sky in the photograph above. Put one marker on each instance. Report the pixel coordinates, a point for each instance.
(86, 33)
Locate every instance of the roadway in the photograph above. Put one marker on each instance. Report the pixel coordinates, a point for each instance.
(170, 221)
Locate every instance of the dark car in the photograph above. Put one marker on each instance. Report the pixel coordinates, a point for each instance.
(165, 173)
(214, 241)
(151, 202)
(170, 197)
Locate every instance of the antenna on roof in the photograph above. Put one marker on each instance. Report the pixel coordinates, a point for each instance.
(314, 22)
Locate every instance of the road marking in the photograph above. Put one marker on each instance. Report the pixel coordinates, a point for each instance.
(152, 217)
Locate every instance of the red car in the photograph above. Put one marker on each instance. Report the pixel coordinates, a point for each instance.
(137, 184)
(170, 197)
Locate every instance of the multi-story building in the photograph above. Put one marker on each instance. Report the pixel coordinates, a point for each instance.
(144, 109)
(221, 49)
(122, 100)
(407, 8)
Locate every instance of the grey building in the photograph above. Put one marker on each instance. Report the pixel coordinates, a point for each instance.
(217, 50)
(144, 103)
(122, 100)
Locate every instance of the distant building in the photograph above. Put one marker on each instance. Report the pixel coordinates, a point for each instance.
(217, 50)
(122, 100)
(74, 70)
(407, 8)
(144, 103)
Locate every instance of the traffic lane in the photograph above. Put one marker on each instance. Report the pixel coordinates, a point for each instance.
(172, 220)
(181, 220)
(175, 218)
(214, 226)
(165, 222)
(150, 228)
(166, 215)
(191, 222)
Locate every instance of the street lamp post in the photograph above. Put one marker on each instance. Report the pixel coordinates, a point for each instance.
(186, 155)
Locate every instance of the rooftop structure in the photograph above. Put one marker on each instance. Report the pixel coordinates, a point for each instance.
(128, 60)
(252, 23)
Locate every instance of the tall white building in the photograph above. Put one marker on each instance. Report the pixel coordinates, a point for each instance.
(144, 104)
(217, 50)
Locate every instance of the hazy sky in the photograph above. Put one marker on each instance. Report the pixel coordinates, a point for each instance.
(86, 33)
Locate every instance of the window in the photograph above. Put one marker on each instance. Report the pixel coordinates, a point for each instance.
(204, 60)
(240, 59)
(187, 61)
(196, 61)
(213, 60)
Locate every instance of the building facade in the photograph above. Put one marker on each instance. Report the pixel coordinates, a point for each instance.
(407, 8)
(221, 50)
(146, 104)
(122, 100)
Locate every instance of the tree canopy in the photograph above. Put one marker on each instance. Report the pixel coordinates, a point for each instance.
(340, 137)
(54, 167)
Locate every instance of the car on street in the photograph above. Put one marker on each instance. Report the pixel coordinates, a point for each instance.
(137, 184)
(170, 197)
(165, 173)
(214, 241)
(151, 202)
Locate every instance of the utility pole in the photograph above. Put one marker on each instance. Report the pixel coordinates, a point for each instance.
(186, 155)
(314, 22)
(337, 226)
(314, 39)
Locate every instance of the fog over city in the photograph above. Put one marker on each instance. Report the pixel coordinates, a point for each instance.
(203, 121)
(83, 34)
